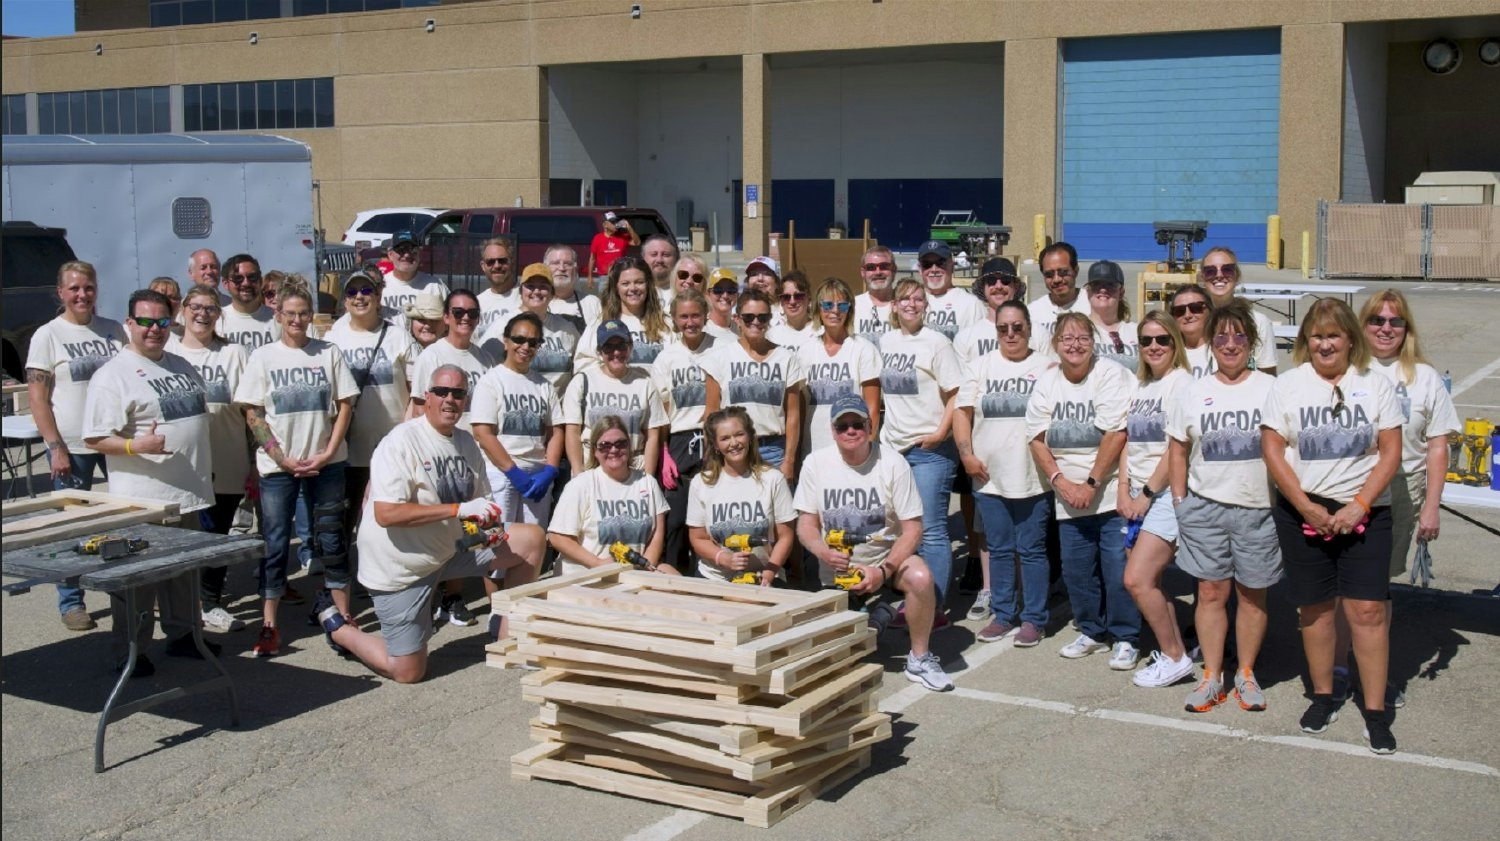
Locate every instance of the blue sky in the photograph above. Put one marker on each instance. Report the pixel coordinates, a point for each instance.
(36, 17)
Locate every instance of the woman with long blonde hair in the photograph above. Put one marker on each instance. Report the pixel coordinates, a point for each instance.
(737, 494)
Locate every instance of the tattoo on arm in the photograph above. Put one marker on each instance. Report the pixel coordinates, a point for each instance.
(37, 376)
(255, 419)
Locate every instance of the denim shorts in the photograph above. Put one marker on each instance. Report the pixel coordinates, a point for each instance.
(1160, 519)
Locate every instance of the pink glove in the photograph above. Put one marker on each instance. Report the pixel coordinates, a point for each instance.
(669, 472)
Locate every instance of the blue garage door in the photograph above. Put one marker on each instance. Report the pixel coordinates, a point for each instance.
(1165, 127)
(900, 210)
(809, 201)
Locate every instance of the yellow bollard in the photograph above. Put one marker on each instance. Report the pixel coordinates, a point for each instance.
(1273, 241)
(1306, 255)
(1038, 234)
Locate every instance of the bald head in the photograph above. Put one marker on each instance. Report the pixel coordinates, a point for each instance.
(203, 267)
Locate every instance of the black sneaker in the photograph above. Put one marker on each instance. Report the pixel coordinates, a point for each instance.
(1323, 712)
(1378, 732)
(183, 647)
(459, 613)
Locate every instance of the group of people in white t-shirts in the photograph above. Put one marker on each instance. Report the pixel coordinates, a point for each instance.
(670, 422)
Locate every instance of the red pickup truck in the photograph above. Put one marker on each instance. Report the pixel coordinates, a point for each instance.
(450, 242)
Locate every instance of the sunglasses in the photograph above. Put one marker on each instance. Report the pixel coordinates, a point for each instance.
(456, 392)
(725, 290)
(1223, 339)
(1016, 328)
(148, 323)
(790, 297)
(1338, 401)
(1196, 308)
(846, 425)
(1105, 289)
(616, 347)
(1226, 270)
(211, 309)
(750, 318)
(684, 274)
(879, 267)
(460, 313)
(496, 261)
(932, 263)
(529, 341)
(617, 445)
(269, 295)
(1050, 273)
(992, 279)
(1395, 321)
(1164, 340)
(244, 278)
(406, 248)
(355, 291)
(301, 315)
(834, 306)
(538, 286)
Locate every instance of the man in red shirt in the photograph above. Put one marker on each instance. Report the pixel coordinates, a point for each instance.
(607, 247)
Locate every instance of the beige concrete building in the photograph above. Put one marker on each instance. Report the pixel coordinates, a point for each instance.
(1100, 116)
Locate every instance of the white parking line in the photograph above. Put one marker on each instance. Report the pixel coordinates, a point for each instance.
(1475, 378)
(1208, 728)
(669, 827)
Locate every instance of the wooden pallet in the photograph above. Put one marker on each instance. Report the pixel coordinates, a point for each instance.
(785, 715)
(61, 515)
(757, 805)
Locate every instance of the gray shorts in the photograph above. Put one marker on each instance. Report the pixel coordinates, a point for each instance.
(406, 615)
(1216, 542)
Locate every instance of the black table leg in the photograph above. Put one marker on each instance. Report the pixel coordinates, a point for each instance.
(132, 625)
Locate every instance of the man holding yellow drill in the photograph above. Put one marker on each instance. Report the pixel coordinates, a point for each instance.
(870, 495)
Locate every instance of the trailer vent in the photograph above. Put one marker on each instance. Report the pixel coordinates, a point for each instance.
(191, 218)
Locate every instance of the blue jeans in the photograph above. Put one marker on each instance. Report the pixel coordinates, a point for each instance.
(278, 503)
(83, 465)
(1017, 527)
(302, 520)
(934, 471)
(773, 449)
(1093, 559)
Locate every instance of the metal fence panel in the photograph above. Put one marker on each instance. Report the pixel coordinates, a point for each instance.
(1433, 242)
(1465, 241)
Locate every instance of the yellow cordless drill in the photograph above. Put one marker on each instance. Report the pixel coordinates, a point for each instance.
(845, 542)
(627, 556)
(744, 543)
(474, 535)
(110, 546)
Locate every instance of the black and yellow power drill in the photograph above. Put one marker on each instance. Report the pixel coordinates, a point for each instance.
(845, 542)
(111, 547)
(627, 556)
(744, 543)
(476, 535)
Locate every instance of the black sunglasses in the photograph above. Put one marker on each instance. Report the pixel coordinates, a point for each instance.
(755, 317)
(496, 261)
(465, 312)
(529, 341)
(846, 425)
(994, 278)
(359, 290)
(456, 392)
(1196, 308)
(1395, 321)
(1164, 340)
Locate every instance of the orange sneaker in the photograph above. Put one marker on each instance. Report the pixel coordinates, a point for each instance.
(268, 643)
(1209, 694)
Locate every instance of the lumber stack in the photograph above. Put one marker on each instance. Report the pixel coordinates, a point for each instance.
(739, 700)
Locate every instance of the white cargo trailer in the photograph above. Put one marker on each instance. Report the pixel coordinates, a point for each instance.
(136, 206)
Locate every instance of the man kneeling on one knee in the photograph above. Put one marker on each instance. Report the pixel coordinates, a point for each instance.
(423, 487)
(868, 492)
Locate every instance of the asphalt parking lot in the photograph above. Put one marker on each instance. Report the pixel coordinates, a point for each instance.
(1028, 745)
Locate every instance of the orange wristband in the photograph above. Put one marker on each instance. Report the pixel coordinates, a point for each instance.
(1362, 503)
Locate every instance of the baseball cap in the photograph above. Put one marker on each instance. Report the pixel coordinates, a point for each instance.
(721, 274)
(936, 247)
(612, 329)
(1106, 272)
(848, 404)
(402, 238)
(774, 266)
(609, 216)
(426, 305)
(536, 270)
(997, 265)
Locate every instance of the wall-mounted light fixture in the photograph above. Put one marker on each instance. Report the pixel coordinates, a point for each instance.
(635, 11)
(98, 49)
(254, 38)
(1489, 52)
(431, 25)
(1441, 56)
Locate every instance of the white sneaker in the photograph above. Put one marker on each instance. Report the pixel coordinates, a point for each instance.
(1081, 647)
(220, 620)
(1161, 670)
(1124, 656)
(981, 608)
(928, 671)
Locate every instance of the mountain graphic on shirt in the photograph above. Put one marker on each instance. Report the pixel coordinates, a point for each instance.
(633, 531)
(643, 351)
(551, 358)
(1146, 426)
(369, 367)
(1004, 404)
(1231, 443)
(217, 392)
(630, 417)
(857, 521)
(82, 368)
(1073, 435)
(690, 392)
(523, 416)
(455, 484)
(294, 398)
(893, 381)
(753, 389)
(1335, 441)
(825, 392)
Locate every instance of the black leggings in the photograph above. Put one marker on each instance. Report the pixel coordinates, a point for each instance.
(220, 518)
(687, 451)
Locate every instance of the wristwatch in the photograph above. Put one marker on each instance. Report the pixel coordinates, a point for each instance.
(1147, 492)
(1091, 481)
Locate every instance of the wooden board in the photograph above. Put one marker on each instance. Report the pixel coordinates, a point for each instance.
(785, 715)
(61, 515)
(605, 771)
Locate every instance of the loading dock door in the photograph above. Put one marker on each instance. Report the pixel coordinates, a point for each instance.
(807, 200)
(1164, 127)
(900, 210)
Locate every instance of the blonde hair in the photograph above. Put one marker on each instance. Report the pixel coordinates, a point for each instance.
(904, 288)
(1217, 249)
(1410, 355)
(1179, 355)
(604, 425)
(713, 460)
(295, 286)
(1326, 313)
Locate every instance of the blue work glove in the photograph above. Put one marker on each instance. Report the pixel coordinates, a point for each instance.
(519, 478)
(541, 483)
